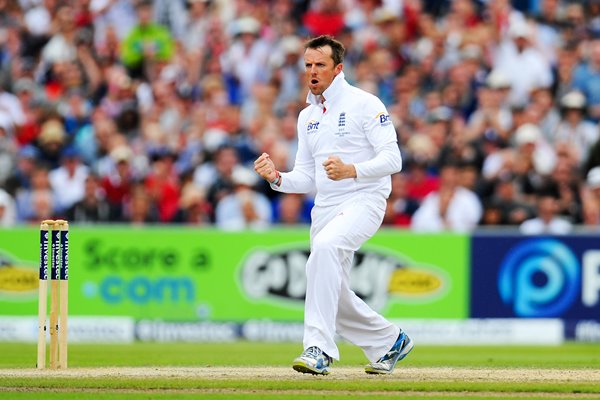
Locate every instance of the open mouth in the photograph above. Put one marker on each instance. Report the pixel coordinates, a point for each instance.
(314, 81)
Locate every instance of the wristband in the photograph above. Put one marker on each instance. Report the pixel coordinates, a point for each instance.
(277, 179)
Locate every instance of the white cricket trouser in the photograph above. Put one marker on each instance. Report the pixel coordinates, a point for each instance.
(331, 306)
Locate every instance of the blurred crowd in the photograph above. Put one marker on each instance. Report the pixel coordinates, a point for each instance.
(152, 111)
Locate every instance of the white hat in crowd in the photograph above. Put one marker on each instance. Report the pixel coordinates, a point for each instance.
(121, 153)
(245, 25)
(519, 29)
(244, 176)
(574, 99)
(497, 80)
(527, 133)
(290, 45)
(593, 178)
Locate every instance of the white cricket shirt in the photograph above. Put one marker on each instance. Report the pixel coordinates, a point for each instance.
(353, 125)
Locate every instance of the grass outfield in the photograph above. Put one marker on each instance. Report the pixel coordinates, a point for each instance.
(262, 371)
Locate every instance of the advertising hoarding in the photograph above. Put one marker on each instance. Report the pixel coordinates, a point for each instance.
(187, 274)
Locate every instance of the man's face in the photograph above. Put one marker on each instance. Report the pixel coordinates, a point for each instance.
(595, 52)
(320, 69)
(144, 13)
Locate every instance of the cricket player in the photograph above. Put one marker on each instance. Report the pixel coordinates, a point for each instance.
(347, 150)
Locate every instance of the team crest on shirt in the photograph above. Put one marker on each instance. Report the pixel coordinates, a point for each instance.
(342, 125)
(312, 126)
(383, 118)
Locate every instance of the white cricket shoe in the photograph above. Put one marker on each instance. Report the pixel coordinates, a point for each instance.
(386, 364)
(313, 361)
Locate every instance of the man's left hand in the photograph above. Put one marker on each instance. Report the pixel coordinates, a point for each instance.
(336, 170)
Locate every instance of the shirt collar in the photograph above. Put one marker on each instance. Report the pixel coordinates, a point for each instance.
(330, 93)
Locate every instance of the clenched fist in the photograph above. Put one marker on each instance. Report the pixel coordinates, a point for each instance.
(265, 167)
(336, 170)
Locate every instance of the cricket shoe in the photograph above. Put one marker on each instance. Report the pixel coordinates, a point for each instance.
(313, 361)
(386, 364)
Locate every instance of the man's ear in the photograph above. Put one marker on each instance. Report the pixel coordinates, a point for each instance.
(338, 68)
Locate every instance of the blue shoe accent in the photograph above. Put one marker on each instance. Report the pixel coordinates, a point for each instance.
(386, 364)
(313, 361)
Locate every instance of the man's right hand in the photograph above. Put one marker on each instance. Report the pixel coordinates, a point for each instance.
(265, 167)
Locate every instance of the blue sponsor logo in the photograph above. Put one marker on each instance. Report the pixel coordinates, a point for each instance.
(384, 119)
(143, 290)
(540, 278)
(312, 126)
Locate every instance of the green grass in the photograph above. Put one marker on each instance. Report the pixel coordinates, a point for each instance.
(570, 355)
(15, 356)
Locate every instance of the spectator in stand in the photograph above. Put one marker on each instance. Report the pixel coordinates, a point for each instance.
(531, 145)
(243, 63)
(543, 101)
(325, 17)
(244, 208)
(172, 14)
(36, 202)
(118, 182)
(197, 30)
(420, 181)
(31, 97)
(573, 130)
(400, 207)
(147, 45)
(593, 157)
(287, 71)
(586, 78)
(68, 180)
(547, 221)
(75, 110)
(452, 207)
(20, 176)
(61, 47)
(565, 65)
(567, 180)
(524, 65)
(216, 177)
(140, 209)
(7, 148)
(162, 184)
(292, 209)
(11, 108)
(508, 200)
(591, 198)
(8, 212)
(111, 18)
(531, 160)
(65, 81)
(198, 24)
(51, 142)
(92, 208)
(193, 207)
(491, 114)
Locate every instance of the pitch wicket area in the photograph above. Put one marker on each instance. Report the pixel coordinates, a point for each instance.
(58, 253)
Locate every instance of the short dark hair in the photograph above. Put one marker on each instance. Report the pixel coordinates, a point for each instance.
(337, 48)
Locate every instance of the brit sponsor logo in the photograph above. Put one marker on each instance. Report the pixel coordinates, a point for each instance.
(312, 127)
(383, 118)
